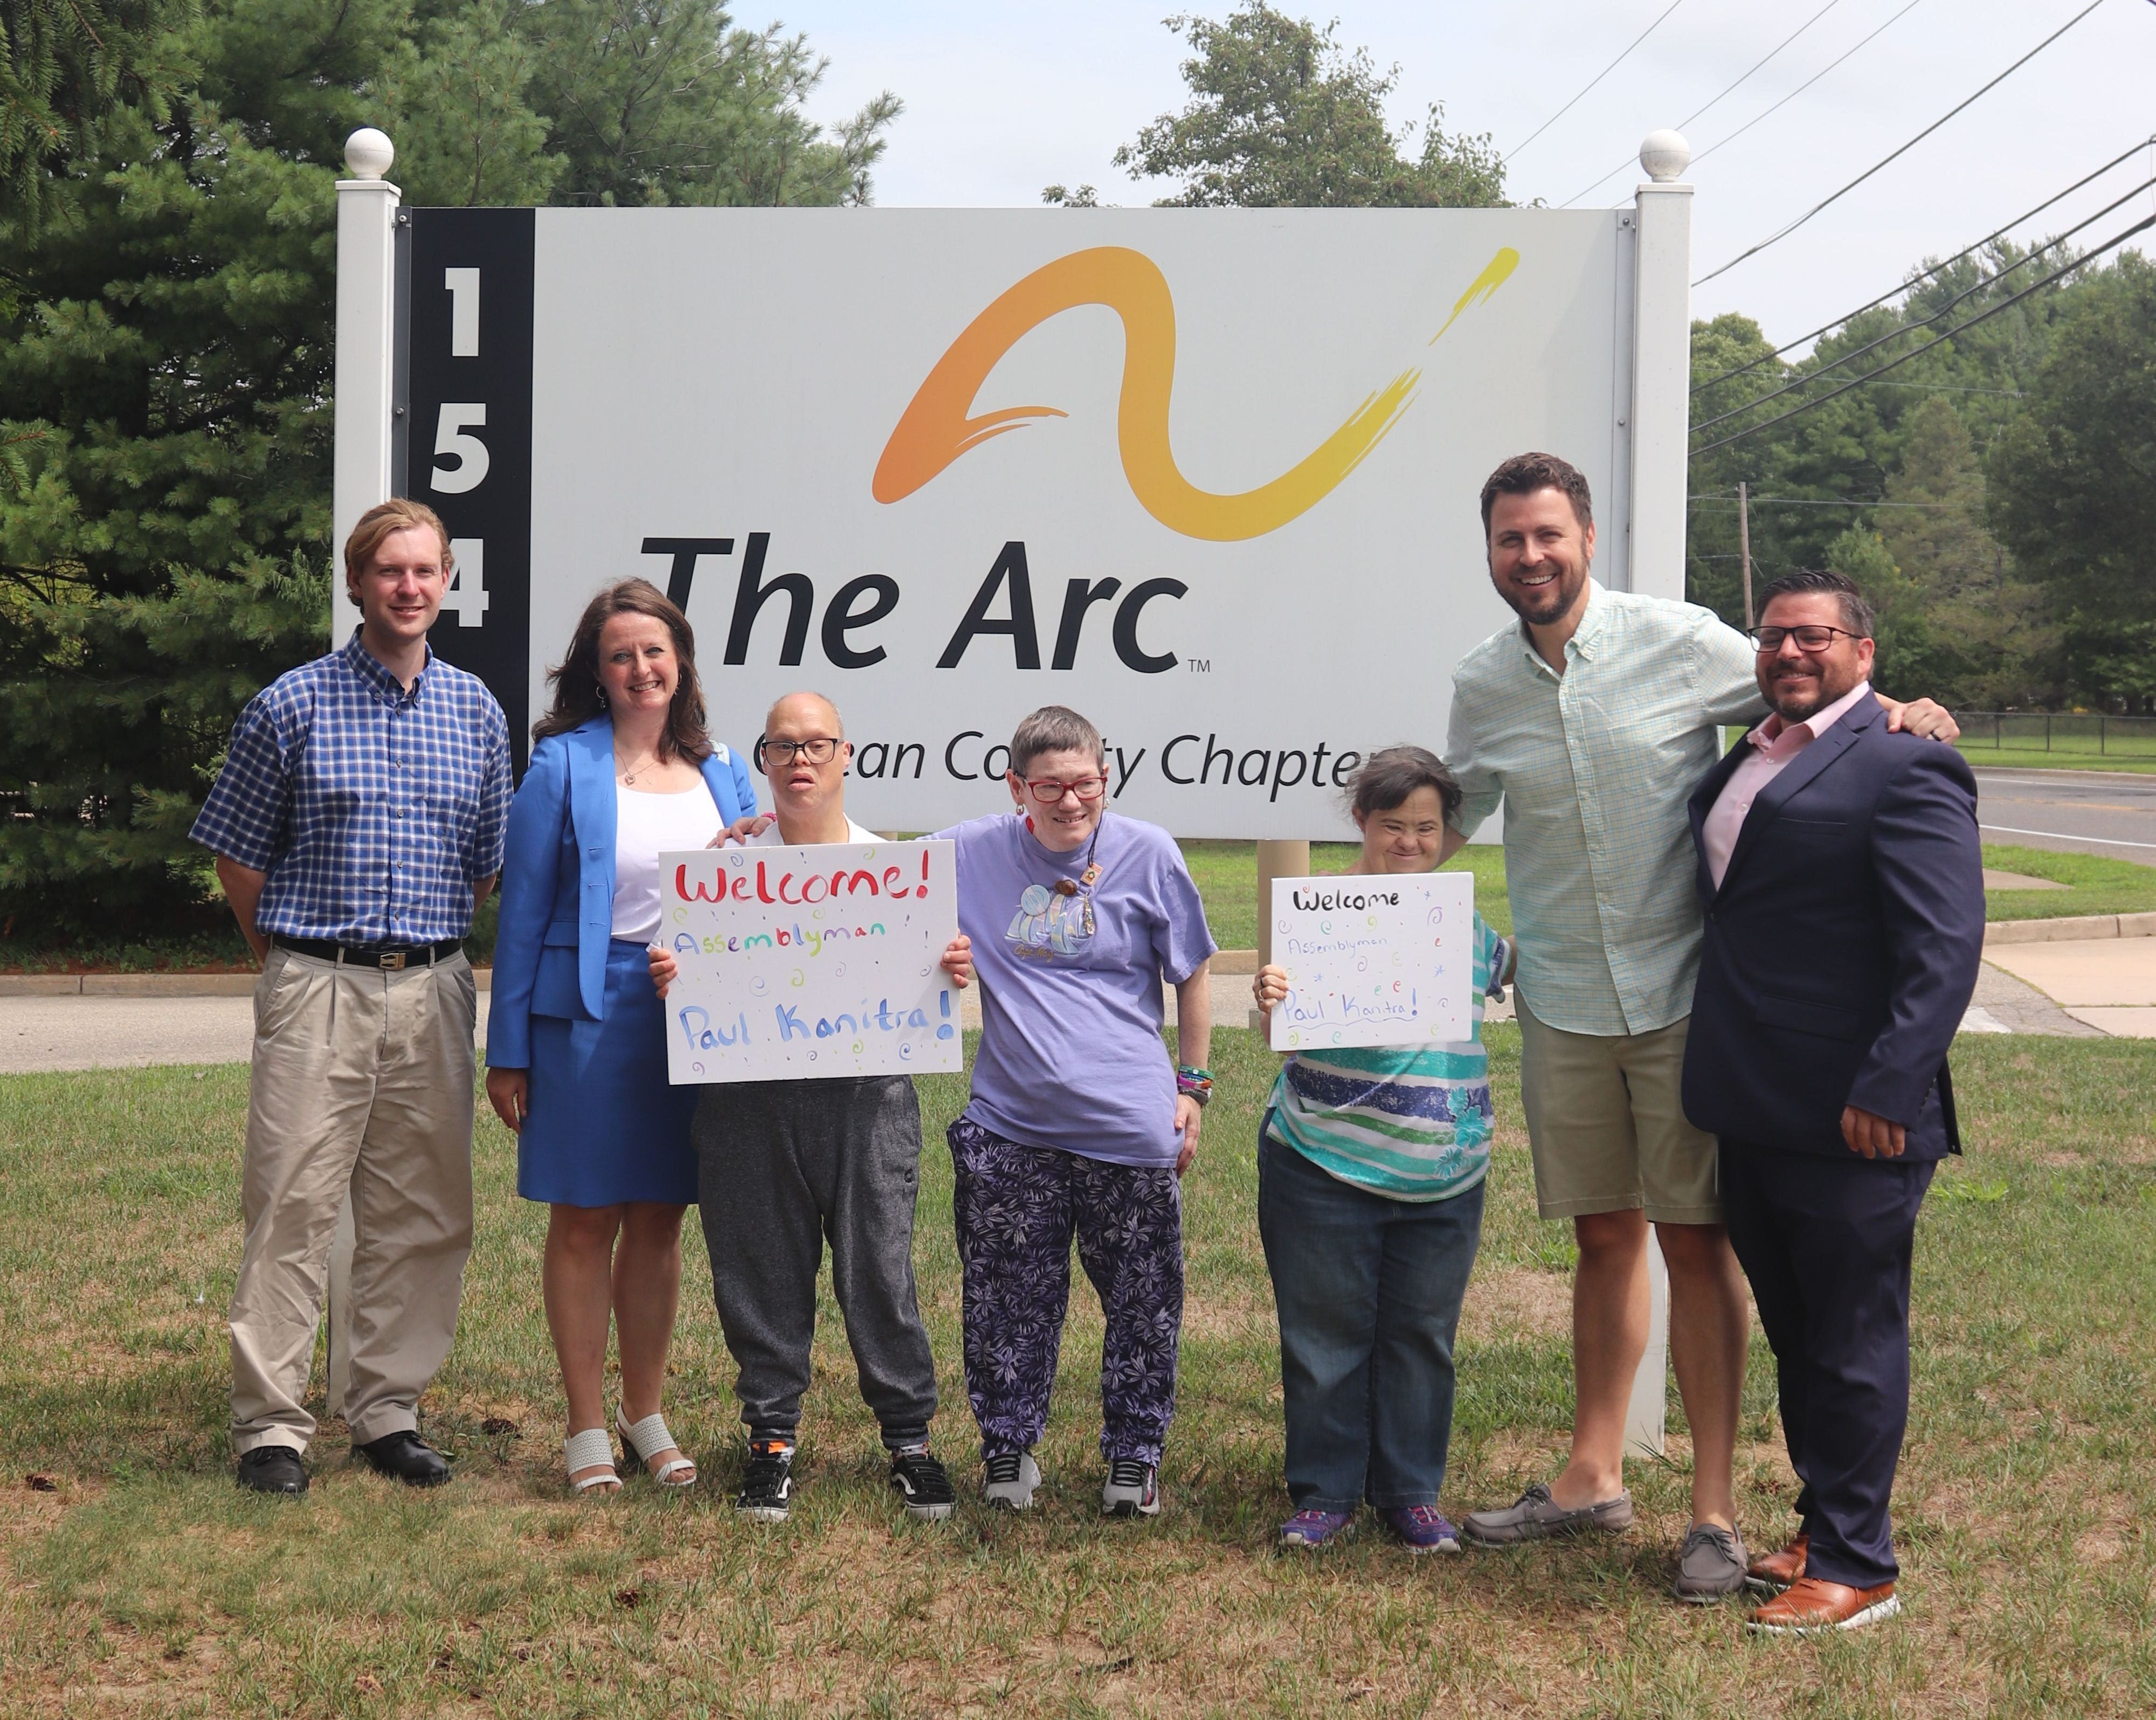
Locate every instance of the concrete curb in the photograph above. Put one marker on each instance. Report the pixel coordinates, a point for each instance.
(2062, 930)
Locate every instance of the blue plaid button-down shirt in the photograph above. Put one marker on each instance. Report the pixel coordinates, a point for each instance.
(375, 811)
(1594, 766)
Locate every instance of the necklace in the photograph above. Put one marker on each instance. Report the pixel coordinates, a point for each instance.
(629, 771)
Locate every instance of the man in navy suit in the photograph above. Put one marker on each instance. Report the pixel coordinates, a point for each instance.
(1844, 923)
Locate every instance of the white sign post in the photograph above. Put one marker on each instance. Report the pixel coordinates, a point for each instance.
(809, 963)
(1373, 960)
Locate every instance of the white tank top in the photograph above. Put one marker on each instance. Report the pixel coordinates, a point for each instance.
(646, 826)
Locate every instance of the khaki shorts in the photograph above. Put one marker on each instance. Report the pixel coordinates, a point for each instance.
(1605, 1118)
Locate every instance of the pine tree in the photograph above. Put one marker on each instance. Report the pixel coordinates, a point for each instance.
(168, 262)
(1989, 640)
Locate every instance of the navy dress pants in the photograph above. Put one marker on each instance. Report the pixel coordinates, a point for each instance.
(1826, 1243)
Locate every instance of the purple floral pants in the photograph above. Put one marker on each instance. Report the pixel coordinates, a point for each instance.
(1016, 1208)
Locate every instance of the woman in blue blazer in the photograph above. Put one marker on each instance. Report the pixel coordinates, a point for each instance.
(622, 770)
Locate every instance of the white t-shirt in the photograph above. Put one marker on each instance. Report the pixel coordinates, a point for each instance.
(770, 837)
(645, 827)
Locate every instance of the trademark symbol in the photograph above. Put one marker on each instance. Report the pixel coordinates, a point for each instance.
(1200, 666)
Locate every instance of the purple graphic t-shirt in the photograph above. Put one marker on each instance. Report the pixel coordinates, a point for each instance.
(1071, 1053)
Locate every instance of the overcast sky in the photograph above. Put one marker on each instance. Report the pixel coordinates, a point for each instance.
(1005, 97)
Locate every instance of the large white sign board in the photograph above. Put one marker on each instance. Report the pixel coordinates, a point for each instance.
(1373, 960)
(1204, 475)
(810, 961)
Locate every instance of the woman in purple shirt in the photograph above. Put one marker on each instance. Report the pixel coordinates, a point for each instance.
(1079, 1124)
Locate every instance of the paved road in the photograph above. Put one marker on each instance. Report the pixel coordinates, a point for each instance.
(2078, 812)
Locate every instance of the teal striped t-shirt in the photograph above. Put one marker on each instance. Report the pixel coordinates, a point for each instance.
(1411, 1123)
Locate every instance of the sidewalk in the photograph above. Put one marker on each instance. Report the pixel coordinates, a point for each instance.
(2073, 990)
(2108, 985)
(72, 1031)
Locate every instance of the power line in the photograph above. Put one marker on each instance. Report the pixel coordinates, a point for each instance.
(1935, 268)
(1800, 501)
(1985, 315)
(1595, 80)
(1825, 202)
(1690, 117)
(1989, 280)
(1806, 85)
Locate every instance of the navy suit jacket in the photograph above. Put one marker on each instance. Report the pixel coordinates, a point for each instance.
(557, 883)
(1842, 947)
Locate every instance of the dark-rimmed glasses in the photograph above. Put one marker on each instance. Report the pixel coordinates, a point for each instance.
(1050, 793)
(1809, 638)
(818, 749)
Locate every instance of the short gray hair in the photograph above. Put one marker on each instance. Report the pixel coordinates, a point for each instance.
(1055, 728)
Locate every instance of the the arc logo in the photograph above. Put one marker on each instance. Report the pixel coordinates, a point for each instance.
(937, 427)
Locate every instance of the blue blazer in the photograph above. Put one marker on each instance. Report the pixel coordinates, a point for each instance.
(1842, 947)
(557, 916)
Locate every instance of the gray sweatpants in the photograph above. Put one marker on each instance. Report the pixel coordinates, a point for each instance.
(783, 1165)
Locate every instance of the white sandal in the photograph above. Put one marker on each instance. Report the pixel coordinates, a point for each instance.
(650, 1437)
(589, 1450)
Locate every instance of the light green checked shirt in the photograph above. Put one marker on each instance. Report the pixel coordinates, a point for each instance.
(1594, 768)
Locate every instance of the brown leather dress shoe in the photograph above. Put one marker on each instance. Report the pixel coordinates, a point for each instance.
(1771, 1572)
(1813, 1604)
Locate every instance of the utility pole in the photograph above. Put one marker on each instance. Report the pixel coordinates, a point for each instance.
(1744, 545)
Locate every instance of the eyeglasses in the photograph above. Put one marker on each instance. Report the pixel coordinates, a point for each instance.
(1049, 791)
(821, 749)
(1813, 640)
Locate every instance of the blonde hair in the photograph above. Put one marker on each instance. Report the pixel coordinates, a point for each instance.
(398, 514)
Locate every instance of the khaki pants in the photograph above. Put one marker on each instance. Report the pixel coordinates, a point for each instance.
(362, 1080)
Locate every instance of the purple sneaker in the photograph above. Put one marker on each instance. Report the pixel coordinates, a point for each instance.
(1422, 1527)
(1314, 1528)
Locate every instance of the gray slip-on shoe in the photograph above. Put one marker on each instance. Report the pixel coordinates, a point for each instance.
(1534, 1516)
(1711, 1566)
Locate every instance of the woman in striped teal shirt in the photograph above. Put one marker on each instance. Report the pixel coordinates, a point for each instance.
(1371, 1163)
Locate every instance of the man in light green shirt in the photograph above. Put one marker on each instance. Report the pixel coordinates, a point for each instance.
(1593, 720)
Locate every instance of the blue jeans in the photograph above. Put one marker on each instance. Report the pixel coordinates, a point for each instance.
(1368, 1290)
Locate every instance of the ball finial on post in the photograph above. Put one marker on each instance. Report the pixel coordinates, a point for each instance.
(367, 153)
(1665, 155)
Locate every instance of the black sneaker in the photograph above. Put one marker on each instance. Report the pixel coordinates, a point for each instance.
(766, 1490)
(918, 1479)
(273, 1469)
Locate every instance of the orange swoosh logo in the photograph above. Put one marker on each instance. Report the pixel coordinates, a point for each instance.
(936, 426)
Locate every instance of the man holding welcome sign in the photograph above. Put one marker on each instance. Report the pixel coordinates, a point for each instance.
(782, 1164)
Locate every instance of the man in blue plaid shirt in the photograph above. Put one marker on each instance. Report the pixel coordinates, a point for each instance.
(357, 824)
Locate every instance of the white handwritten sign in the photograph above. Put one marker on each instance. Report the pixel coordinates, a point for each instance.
(810, 961)
(1385, 960)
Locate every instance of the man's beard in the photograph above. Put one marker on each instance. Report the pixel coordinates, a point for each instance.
(1541, 607)
(1795, 701)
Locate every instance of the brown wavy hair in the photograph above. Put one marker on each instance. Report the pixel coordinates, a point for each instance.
(577, 696)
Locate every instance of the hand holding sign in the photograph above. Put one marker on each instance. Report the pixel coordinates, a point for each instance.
(1377, 960)
(810, 961)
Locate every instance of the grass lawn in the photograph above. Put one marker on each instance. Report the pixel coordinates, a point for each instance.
(2139, 762)
(143, 1582)
(1227, 876)
(2096, 884)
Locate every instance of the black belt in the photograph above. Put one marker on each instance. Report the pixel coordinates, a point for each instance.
(390, 956)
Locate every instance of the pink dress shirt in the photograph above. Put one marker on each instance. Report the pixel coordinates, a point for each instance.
(1773, 744)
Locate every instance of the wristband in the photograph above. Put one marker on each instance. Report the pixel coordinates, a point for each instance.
(1198, 1083)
